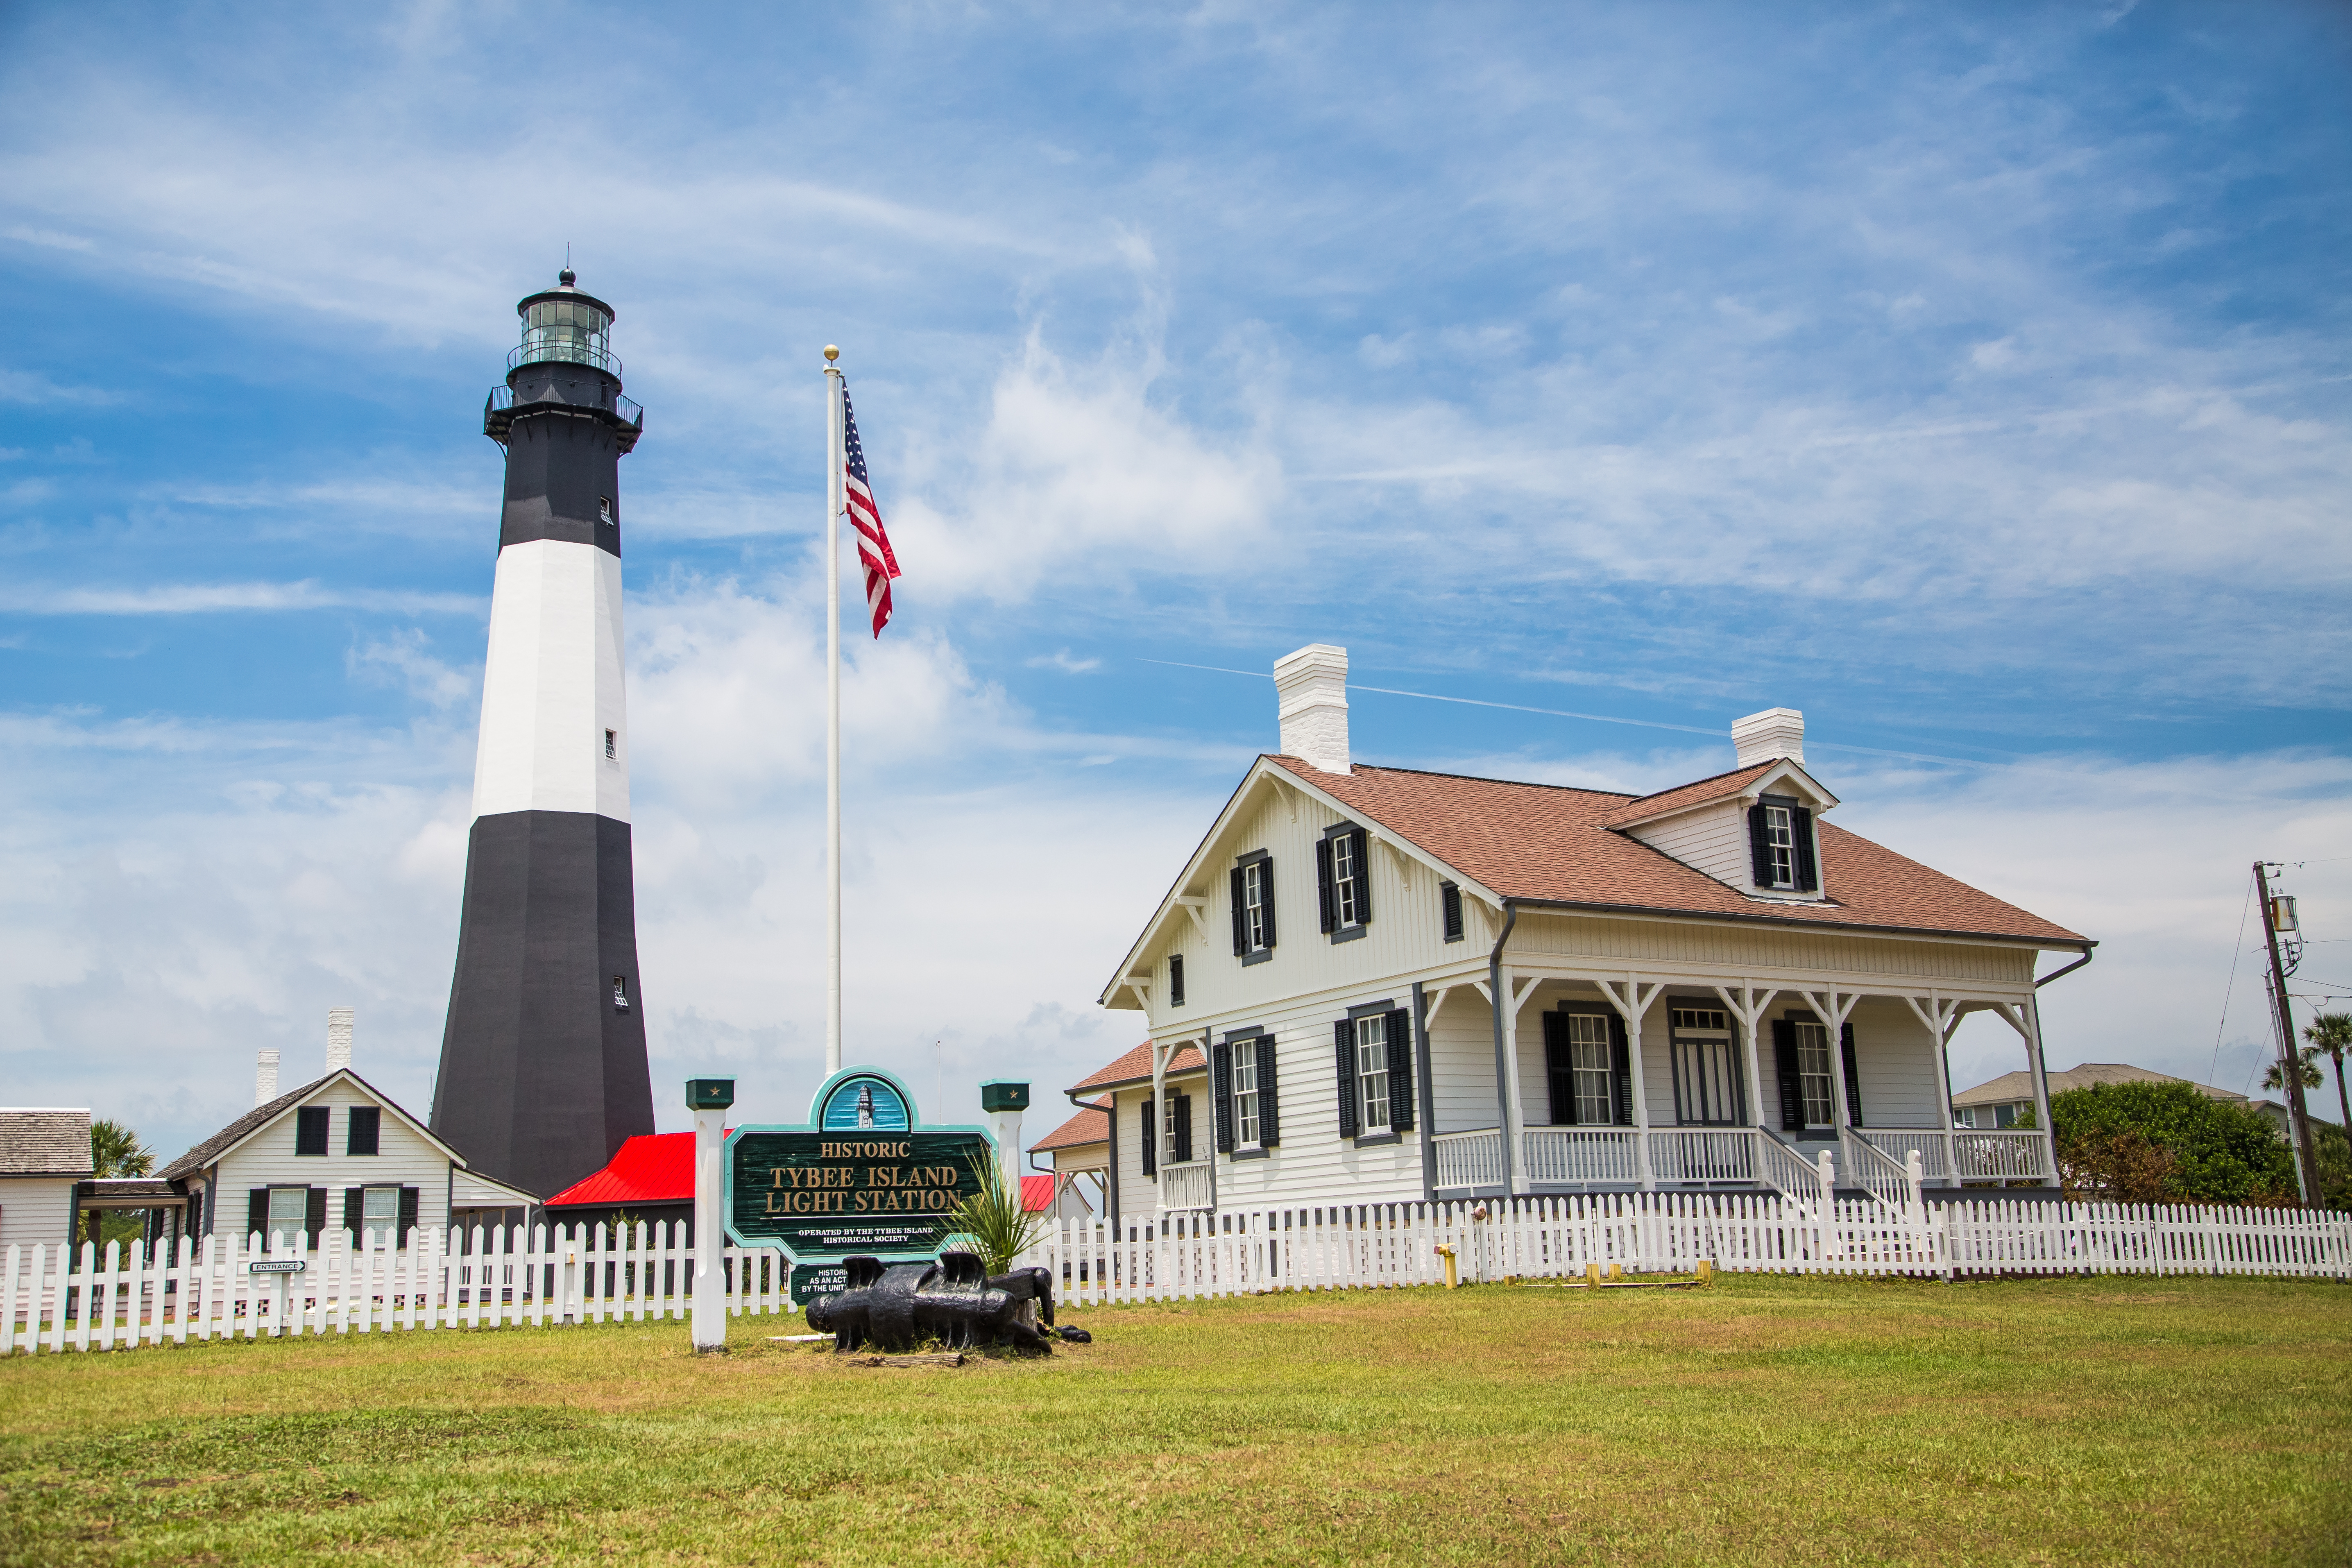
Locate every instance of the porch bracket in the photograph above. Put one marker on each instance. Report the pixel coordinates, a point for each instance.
(1633, 1003)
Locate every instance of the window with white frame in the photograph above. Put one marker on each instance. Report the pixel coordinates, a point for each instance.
(289, 1214)
(1813, 1069)
(1254, 912)
(380, 1215)
(1373, 1073)
(1780, 844)
(1346, 881)
(1588, 1060)
(1168, 1126)
(1245, 1117)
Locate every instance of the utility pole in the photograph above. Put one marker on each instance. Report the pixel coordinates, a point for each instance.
(2290, 1061)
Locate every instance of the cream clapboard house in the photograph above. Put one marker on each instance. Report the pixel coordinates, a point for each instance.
(335, 1156)
(1375, 984)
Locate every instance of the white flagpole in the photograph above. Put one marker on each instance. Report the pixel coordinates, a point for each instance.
(835, 503)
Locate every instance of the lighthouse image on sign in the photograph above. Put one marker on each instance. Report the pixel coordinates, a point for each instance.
(543, 1070)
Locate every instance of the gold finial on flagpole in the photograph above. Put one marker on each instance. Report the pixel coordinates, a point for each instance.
(831, 354)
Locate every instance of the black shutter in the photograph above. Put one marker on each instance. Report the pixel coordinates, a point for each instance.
(1620, 1058)
(1363, 876)
(1792, 1088)
(1343, 1041)
(1401, 1070)
(1852, 1076)
(365, 1133)
(256, 1213)
(1151, 1140)
(1176, 980)
(310, 1130)
(354, 1209)
(1265, 891)
(407, 1216)
(1183, 1140)
(1449, 899)
(1559, 1069)
(1221, 1083)
(1269, 1096)
(314, 1215)
(1241, 926)
(1760, 852)
(1809, 877)
(1323, 882)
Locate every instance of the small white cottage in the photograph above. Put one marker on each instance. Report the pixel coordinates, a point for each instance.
(44, 1154)
(1373, 983)
(336, 1154)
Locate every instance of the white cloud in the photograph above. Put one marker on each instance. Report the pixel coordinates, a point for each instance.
(1061, 659)
(215, 599)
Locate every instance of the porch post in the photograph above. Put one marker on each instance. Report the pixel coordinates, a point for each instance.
(1641, 1100)
(1835, 1018)
(2030, 1013)
(1514, 1109)
(1944, 1086)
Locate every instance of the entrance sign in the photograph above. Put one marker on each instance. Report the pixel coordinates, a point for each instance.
(864, 1177)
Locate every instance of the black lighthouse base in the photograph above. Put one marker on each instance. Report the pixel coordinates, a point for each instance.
(543, 1071)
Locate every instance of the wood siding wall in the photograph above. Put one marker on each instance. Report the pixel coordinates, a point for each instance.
(35, 1210)
(1713, 841)
(267, 1159)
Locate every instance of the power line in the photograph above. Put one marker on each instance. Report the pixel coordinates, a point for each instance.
(2236, 964)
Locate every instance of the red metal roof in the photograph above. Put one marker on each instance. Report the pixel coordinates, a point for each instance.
(651, 1168)
(1037, 1194)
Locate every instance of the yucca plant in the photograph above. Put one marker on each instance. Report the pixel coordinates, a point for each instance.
(992, 1221)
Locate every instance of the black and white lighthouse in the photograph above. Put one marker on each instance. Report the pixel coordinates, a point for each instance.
(543, 1070)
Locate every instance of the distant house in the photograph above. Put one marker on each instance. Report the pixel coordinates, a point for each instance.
(336, 1154)
(1371, 984)
(44, 1154)
(2004, 1101)
(1079, 1153)
(649, 1180)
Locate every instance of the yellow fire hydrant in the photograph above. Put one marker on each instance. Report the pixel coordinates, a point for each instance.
(1452, 1279)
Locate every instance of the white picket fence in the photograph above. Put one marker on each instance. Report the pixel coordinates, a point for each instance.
(55, 1299)
(61, 1297)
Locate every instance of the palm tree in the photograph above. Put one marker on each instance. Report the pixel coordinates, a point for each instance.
(115, 1151)
(2332, 1033)
(2306, 1067)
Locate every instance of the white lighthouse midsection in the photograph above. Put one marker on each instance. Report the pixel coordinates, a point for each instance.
(555, 733)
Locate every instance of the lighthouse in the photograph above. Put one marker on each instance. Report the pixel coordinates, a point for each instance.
(543, 1070)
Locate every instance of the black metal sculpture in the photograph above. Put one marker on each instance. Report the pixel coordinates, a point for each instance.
(895, 1306)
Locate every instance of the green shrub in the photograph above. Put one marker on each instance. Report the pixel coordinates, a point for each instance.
(2167, 1142)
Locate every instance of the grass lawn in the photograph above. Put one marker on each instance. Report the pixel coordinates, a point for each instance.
(1758, 1420)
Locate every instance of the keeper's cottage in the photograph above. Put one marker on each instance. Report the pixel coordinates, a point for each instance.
(1377, 983)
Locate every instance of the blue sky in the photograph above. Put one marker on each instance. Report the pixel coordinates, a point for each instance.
(1974, 379)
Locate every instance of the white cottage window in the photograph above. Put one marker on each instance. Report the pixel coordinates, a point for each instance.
(1246, 1114)
(1588, 1054)
(289, 1214)
(1372, 1072)
(380, 1214)
(1814, 1074)
(1780, 845)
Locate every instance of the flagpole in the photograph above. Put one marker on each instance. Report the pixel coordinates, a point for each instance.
(835, 505)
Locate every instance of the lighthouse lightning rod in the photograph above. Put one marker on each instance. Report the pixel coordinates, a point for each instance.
(835, 504)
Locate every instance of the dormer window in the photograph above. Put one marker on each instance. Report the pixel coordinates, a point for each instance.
(1343, 881)
(1781, 842)
(1252, 897)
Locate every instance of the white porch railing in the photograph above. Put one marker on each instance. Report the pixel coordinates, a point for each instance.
(2002, 1156)
(1899, 1144)
(1579, 1154)
(1186, 1186)
(1703, 1154)
(1874, 1171)
(1469, 1159)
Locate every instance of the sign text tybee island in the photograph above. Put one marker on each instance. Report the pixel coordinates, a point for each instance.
(864, 1178)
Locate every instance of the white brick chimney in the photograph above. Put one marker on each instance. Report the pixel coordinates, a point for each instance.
(264, 1077)
(1775, 733)
(339, 1039)
(1310, 689)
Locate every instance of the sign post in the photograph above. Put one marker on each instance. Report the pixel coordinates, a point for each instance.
(708, 1098)
(1004, 1101)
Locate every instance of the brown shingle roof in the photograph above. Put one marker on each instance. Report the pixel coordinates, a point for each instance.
(1723, 786)
(1137, 1064)
(1547, 844)
(2018, 1086)
(204, 1153)
(1089, 1126)
(45, 1143)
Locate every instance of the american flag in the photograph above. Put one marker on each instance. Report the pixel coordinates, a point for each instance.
(873, 545)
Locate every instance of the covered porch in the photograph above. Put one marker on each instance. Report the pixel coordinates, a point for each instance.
(1599, 1080)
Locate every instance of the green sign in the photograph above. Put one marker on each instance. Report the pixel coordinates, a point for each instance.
(864, 1177)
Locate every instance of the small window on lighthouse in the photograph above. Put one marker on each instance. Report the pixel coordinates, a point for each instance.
(620, 993)
(604, 509)
(613, 744)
